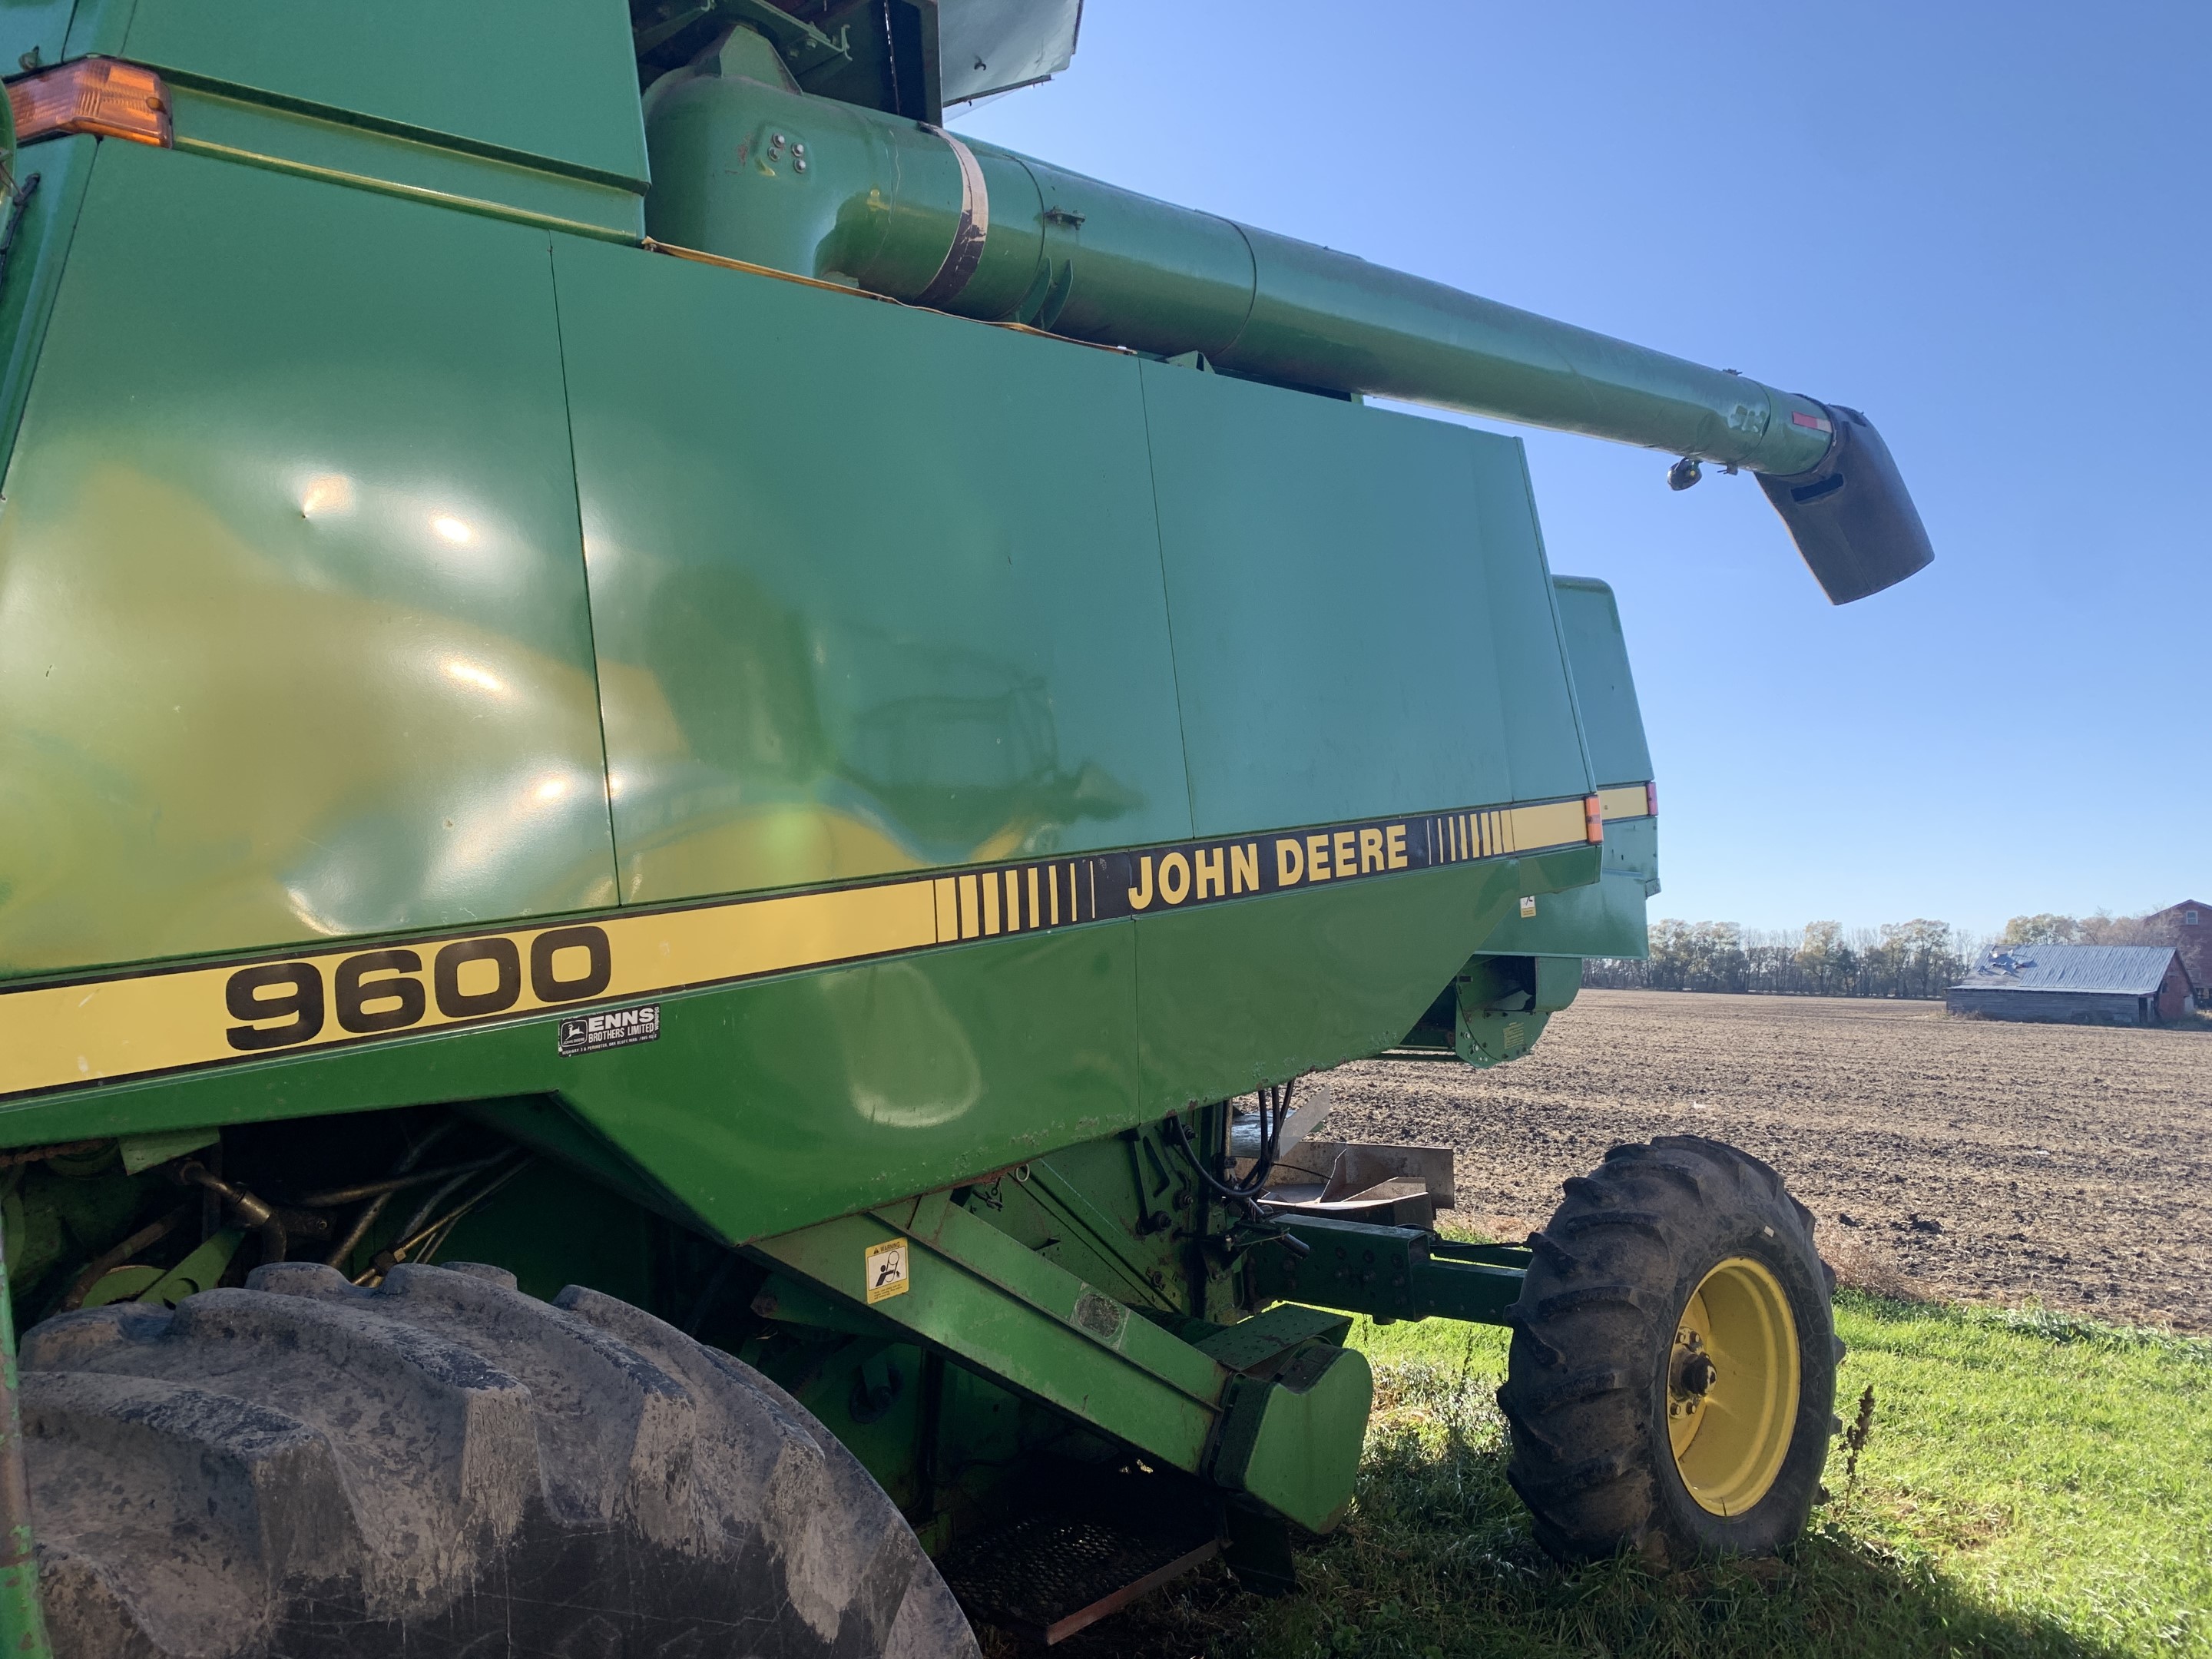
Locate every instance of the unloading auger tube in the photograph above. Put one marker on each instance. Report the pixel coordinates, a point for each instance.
(767, 174)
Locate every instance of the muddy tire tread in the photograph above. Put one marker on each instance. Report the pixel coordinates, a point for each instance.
(444, 1465)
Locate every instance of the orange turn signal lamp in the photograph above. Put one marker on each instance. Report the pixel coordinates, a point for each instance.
(1593, 819)
(92, 94)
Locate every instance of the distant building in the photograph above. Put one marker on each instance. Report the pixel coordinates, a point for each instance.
(2187, 926)
(2084, 984)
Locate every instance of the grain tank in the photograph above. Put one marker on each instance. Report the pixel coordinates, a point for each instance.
(697, 776)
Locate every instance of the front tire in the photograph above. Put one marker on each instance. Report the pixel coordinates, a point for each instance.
(1671, 1386)
(443, 1466)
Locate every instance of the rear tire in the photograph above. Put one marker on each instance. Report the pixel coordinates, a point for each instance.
(445, 1466)
(1671, 1385)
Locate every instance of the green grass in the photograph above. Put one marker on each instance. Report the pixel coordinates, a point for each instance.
(2033, 1485)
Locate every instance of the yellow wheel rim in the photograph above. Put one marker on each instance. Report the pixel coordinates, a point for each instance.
(1732, 1382)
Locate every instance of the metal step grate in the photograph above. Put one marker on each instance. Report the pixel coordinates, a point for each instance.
(1044, 1578)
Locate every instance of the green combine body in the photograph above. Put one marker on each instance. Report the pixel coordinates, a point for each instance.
(621, 660)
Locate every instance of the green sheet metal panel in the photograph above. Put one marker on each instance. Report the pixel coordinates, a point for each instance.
(554, 79)
(874, 589)
(28, 27)
(761, 1106)
(238, 127)
(1606, 918)
(62, 166)
(810, 1097)
(1363, 619)
(1364, 624)
(293, 633)
(1262, 992)
(771, 1103)
(1613, 725)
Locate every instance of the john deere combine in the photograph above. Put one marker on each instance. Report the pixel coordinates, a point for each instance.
(625, 666)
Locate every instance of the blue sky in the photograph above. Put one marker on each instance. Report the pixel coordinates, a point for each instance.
(1986, 225)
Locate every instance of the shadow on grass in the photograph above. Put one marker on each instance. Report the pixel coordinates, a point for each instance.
(1834, 1598)
(1437, 1562)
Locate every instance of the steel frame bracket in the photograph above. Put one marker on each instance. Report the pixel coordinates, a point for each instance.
(1271, 1408)
(982, 1298)
(1390, 1272)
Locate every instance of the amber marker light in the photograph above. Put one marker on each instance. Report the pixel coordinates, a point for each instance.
(1593, 819)
(93, 94)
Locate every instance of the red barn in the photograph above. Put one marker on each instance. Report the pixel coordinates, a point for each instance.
(2086, 984)
(2187, 926)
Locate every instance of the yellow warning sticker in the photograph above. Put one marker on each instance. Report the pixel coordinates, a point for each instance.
(884, 1270)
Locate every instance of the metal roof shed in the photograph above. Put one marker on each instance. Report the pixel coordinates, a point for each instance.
(2085, 984)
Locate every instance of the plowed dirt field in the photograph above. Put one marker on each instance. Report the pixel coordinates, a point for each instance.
(1971, 1159)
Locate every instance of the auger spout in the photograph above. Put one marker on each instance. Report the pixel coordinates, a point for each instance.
(747, 167)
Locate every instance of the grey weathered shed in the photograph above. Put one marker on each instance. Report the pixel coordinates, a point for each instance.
(2089, 984)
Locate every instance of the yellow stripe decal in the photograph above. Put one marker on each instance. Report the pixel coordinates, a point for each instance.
(116, 1027)
(1624, 801)
(99, 1029)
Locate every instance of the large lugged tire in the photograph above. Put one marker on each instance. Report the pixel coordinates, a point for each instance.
(445, 1466)
(1671, 1387)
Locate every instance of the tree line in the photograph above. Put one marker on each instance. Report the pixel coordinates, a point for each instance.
(1909, 959)
(2103, 928)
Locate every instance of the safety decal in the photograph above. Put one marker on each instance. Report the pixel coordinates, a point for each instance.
(884, 1270)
